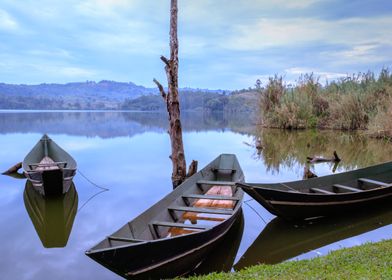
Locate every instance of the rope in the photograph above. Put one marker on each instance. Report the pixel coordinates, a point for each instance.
(84, 204)
(254, 210)
(290, 188)
(95, 185)
(91, 182)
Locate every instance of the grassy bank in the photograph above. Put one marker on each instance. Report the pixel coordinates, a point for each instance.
(369, 261)
(362, 101)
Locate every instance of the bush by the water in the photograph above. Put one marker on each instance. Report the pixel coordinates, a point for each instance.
(361, 101)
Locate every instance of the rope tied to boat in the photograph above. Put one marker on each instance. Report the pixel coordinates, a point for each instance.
(254, 210)
(103, 189)
(290, 188)
(91, 182)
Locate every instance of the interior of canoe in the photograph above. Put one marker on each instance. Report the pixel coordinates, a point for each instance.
(47, 155)
(357, 185)
(203, 201)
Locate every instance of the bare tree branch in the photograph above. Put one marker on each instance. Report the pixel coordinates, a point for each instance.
(161, 89)
(192, 168)
(166, 61)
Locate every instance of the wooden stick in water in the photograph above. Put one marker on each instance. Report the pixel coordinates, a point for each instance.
(13, 169)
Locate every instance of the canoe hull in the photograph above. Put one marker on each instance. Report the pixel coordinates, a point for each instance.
(293, 200)
(172, 256)
(146, 248)
(49, 181)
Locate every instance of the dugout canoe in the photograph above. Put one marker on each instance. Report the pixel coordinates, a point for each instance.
(176, 234)
(52, 217)
(49, 168)
(325, 196)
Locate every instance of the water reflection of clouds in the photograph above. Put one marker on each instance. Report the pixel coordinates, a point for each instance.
(136, 168)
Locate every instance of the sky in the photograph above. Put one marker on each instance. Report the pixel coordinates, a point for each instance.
(224, 44)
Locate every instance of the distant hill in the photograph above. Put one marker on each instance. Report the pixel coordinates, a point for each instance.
(111, 95)
(106, 89)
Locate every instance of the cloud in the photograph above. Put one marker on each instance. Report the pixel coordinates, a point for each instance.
(324, 75)
(106, 8)
(297, 4)
(7, 22)
(51, 53)
(360, 54)
(265, 32)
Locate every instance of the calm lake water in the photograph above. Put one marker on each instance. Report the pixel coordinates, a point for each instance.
(127, 152)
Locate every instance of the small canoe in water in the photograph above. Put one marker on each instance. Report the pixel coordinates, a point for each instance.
(335, 194)
(176, 234)
(49, 168)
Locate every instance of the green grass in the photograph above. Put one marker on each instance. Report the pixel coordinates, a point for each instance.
(368, 261)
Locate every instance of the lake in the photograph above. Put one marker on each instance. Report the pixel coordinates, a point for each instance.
(128, 153)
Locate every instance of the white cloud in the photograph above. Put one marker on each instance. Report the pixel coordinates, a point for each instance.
(265, 32)
(103, 7)
(7, 22)
(296, 4)
(360, 54)
(51, 53)
(318, 73)
(131, 43)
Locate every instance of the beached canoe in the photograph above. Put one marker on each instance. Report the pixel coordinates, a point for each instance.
(176, 234)
(52, 217)
(324, 196)
(49, 168)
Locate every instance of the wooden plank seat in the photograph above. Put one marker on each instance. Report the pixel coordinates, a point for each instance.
(346, 188)
(118, 238)
(317, 190)
(231, 170)
(216, 183)
(201, 210)
(212, 197)
(47, 164)
(373, 182)
(179, 225)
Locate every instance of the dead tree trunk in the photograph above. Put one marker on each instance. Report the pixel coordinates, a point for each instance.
(172, 102)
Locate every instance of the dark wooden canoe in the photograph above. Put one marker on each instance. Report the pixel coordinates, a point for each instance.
(281, 240)
(222, 258)
(324, 196)
(49, 168)
(175, 235)
(52, 217)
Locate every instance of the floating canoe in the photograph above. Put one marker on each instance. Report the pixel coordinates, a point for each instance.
(52, 217)
(176, 234)
(324, 196)
(49, 168)
(281, 240)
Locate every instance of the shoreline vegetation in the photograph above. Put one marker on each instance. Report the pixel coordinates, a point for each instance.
(368, 261)
(361, 101)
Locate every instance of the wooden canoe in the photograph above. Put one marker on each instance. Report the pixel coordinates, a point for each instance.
(49, 168)
(174, 236)
(52, 217)
(281, 240)
(222, 258)
(324, 196)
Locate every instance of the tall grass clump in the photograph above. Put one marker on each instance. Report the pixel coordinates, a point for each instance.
(290, 107)
(350, 103)
(381, 125)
